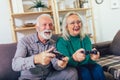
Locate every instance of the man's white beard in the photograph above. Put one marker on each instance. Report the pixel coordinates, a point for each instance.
(45, 35)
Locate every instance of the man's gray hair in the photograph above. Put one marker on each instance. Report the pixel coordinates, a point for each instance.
(39, 17)
(65, 33)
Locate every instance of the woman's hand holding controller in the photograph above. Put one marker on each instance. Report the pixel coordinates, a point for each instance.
(94, 57)
(78, 55)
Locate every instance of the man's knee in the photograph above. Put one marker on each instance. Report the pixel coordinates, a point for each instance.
(68, 73)
(71, 70)
(72, 74)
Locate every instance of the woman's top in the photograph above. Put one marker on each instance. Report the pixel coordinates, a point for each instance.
(69, 47)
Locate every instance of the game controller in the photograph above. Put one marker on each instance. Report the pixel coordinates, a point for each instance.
(90, 52)
(58, 54)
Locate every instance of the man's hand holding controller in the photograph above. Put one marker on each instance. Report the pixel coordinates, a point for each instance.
(62, 60)
(44, 58)
(58, 54)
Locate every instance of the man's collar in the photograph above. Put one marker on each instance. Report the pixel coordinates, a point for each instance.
(37, 39)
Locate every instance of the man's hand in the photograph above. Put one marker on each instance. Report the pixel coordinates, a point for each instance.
(63, 63)
(44, 58)
(79, 55)
(94, 57)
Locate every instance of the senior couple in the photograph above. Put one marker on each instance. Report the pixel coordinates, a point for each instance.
(34, 56)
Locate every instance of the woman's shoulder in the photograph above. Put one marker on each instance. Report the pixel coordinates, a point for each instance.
(61, 39)
(87, 36)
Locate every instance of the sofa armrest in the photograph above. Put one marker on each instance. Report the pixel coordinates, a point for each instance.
(103, 47)
(7, 52)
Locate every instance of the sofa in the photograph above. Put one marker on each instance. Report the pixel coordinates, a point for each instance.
(106, 49)
(7, 52)
(110, 56)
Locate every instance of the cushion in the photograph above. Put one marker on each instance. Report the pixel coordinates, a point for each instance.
(110, 63)
(7, 52)
(115, 46)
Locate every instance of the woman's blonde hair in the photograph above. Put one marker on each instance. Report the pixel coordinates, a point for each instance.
(65, 33)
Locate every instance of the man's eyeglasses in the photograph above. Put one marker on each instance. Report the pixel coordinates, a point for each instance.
(73, 22)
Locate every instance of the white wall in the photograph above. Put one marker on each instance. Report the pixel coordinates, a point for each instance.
(107, 21)
(5, 29)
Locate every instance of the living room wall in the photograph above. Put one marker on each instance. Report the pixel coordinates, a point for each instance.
(106, 21)
(5, 28)
(106, 17)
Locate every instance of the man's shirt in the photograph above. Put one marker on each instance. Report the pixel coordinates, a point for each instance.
(23, 60)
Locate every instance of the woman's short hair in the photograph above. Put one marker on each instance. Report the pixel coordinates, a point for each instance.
(65, 33)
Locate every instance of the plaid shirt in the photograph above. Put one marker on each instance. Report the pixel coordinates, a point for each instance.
(23, 59)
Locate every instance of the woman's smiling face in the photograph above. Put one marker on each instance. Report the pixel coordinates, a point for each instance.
(73, 25)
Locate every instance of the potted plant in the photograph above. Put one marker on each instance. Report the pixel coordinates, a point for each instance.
(38, 4)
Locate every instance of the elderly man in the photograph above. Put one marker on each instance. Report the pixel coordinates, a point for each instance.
(34, 57)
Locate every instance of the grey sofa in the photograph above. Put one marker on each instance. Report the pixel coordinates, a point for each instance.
(110, 56)
(7, 52)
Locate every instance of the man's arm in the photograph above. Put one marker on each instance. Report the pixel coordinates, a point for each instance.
(20, 61)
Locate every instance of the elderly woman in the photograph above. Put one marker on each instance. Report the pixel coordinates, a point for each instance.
(74, 43)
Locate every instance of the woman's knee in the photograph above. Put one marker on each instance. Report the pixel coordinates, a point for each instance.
(84, 73)
(98, 68)
(98, 72)
(84, 70)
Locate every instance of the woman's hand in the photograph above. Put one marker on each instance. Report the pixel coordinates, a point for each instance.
(94, 57)
(79, 55)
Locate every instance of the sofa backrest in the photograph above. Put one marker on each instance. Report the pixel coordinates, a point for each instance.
(115, 45)
(56, 36)
(7, 52)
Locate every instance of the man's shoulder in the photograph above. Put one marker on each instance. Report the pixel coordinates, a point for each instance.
(55, 37)
(30, 38)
